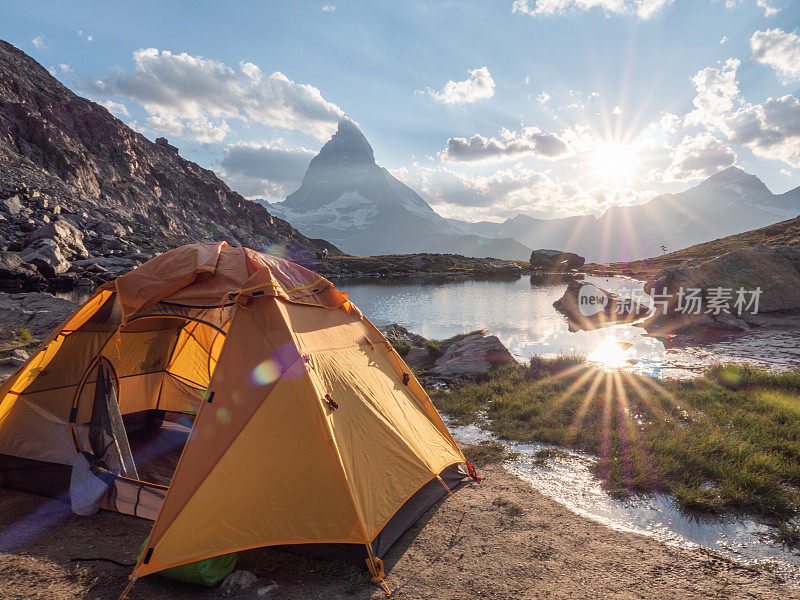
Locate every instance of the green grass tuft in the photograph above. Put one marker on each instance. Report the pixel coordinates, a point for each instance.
(24, 334)
(402, 348)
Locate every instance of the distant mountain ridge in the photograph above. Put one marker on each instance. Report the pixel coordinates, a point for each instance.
(347, 198)
(729, 202)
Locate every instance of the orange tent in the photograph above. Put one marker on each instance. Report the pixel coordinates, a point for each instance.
(304, 426)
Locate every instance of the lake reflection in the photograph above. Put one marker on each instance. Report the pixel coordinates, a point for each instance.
(523, 317)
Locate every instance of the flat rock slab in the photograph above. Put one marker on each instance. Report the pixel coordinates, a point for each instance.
(37, 311)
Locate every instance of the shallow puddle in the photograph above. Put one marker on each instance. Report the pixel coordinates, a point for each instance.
(566, 477)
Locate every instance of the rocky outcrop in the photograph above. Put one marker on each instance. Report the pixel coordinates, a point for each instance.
(587, 307)
(705, 298)
(77, 183)
(555, 260)
(466, 356)
(397, 334)
(470, 355)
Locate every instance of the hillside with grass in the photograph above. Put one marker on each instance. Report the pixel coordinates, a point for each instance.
(724, 442)
(785, 233)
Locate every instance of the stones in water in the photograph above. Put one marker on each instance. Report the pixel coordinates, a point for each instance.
(556, 260)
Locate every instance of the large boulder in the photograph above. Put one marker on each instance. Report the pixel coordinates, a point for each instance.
(14, 269)
(46, 255)
(11, 206)
(587, 306)
(68, 238)
(110, 228)
(470, 355)
(775, 271)
(555, 260)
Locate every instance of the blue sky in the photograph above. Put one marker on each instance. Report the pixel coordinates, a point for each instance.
(554, 106)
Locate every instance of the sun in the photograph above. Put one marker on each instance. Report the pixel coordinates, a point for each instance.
(614, 161)
(611, 354)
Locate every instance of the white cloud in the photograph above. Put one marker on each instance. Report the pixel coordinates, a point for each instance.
(477, 86)
(118, 109)
(85, 36)
(263, 170)
(527, 80)
(644, 9)
(329, 8)
(786, 172)
(617, 110)
(527, 141)
(770, 129)
(699, 157)
(779, 50)
(513, 190)
(717, 94)
(769, 11)
(200, 129)
(38, 42)
(543, 98)
(725, 39)
(199, 93)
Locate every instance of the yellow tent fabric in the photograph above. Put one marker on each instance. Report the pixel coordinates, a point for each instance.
(308, 427)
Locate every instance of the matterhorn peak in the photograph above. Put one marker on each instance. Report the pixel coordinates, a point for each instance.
(348, 146)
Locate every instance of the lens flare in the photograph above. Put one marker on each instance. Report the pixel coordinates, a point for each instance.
(223, 415)
(265, 373)
(611, 354)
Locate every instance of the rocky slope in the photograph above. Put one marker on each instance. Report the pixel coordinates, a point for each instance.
(347, 198)
(78, 185)
(745, 288)
(729, 202)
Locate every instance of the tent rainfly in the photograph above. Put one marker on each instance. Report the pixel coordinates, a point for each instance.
(296, 421)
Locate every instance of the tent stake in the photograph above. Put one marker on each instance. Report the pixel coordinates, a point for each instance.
(128, 587)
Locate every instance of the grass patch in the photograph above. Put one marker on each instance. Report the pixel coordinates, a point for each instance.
(487, 452)
(434, 348)
(402, 348)
(727, 441)
(789, 535)
(24, 334)
(542, 457)
(540, 367)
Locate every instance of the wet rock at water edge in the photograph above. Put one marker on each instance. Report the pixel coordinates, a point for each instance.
(470, 355)
(587, 307)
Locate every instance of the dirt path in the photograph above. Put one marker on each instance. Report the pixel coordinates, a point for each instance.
(513, 543)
